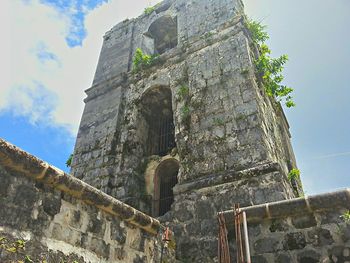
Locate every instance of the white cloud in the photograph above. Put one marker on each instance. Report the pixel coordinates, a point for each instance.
(44, 79)
(332, 155)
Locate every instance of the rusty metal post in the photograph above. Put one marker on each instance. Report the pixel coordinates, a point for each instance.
(223, 247)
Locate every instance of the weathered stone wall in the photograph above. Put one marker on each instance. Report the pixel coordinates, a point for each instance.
(48, 215)
(193, 217)
(193, 19)
(95, 145)
(307, 230)
(104, 153)
(232, 124)
(232, 140)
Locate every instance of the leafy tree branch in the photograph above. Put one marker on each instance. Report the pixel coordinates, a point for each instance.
(268, 69)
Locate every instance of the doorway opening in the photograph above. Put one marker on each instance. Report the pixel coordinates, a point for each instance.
(165, 180)
(158, 114)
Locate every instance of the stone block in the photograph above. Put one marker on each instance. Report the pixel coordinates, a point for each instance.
(96, 226)
(279, 225)
(4, 182)
(330, 216)
(25, 195)
(288, 207)
(135, 239)
(118, 232)
(304, 221)
(52, 204)
(330, 200)
(293, 241)
(283, 258)
(320, 237)
(96, 245)
(259, 259)
(309, 256)
(266, 245)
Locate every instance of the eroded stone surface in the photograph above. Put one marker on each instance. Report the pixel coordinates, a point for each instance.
(293, 236)
(232, 146)
(38, 222)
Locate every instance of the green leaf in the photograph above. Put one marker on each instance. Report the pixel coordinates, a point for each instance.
(11, 249)
(257, 30)
(142, 61)
(69, 160)
(27, 259)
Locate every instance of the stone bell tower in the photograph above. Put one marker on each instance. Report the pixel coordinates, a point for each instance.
(191, 132)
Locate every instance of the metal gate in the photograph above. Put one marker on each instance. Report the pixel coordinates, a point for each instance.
(161, 137)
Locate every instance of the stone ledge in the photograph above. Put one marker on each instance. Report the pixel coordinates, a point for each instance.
(226, 177)
(15, 160)
(297, 206)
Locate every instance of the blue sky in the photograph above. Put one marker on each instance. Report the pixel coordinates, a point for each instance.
(54, 45)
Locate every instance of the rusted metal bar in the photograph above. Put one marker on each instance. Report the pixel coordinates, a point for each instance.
(239, 245)
(161, 137)
(223, 247)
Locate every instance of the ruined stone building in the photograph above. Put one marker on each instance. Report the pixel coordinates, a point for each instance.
(179, 139)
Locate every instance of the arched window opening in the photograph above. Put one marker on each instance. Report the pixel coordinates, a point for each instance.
(163, 31)
(158, 113)
(165, 180)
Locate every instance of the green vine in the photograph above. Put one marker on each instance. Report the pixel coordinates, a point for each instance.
(185, 113)
(142, 61)
(257, 31)
(69, 161)
(218, 122)
(183, 92)
(149, 10)
(294, 174)
(294, 178)
(270, 69)
(346, 216)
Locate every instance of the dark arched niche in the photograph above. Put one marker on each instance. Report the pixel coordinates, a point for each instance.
(164, 181)
(163, 31)
(157, 112)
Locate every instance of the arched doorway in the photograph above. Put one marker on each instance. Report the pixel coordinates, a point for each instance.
(164, 181)
(159, 132)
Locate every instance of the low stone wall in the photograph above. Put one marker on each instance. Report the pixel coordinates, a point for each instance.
(49, 216)
(193, 216)
(307, 230)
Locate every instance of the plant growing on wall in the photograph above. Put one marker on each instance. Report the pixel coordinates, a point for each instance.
(69, 160)
(269, 70)
(185, 113)
(142, 61)
(183, 92)
(149, 10)
(218, 122)
(294, 174)
(294, 178)
(346, 216)
(257, 31)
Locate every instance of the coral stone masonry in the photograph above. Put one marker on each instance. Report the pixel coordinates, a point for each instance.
(176, 129)
(190, 131)
(49, 216)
